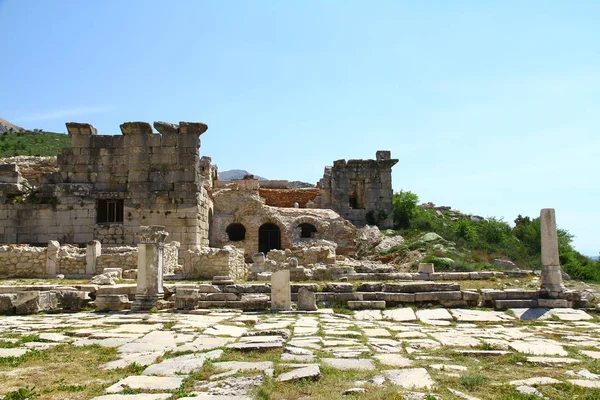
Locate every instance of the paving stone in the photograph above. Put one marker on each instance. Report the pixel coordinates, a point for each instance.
(411, 335)
(448, 367)
(455, 339)
(468, 315)
(410, 378)
(585, 383)
(551, 361)
(478, 353)
(225, 330)
(539, 348)
(528, 390)
(528, 314)
(153, 341)
(535, 381)
(142, 382)
(393, 360)
(297, 358)
(130, 358)
(12, 352)
(376, 332)
(311, 372)
(243, 366)
(207, 396)
(588, 375)
(349, 363)
(203, 343)
(570, 314)
(592, 354)
(435, 314)
(368, 315)
(183, 364)
(400, 314)
(354, 391)
(55, 337)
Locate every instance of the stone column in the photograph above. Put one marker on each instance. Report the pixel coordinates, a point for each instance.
(52, 257)
(281, 292)
(552, 283)
(150, 267)
(92, 250)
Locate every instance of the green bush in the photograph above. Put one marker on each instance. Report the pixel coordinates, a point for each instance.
(405, 206)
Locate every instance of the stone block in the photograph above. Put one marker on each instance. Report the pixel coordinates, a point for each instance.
(521, 294)
(344, 297)
(116, 273)
(426, 268)
(112, 302)
(506, 304)
(413, 287)
(339, 287)
(306, 300)
(370, 287)
(366, 305)
(553, 303)
(33, 302)
(396, 297)
(281, 295)
(438, 296)
(74, 300)
(221, 297)
(7, 303)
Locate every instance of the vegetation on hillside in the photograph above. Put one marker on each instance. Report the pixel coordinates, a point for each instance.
(32, 143)
(465, 240)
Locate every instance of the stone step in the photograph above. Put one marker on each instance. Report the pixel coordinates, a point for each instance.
(367, 305)
(515, 303)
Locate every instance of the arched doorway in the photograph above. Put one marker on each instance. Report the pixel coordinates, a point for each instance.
(269, 238)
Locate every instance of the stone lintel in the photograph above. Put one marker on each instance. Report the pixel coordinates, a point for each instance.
(166, 128)
(136, 128)
(192, 128)
(153, 234)
(77, 128)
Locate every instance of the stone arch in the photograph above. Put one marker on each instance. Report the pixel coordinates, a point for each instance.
(236, 232)
(307, 230)
(318, 225)
(269, 237)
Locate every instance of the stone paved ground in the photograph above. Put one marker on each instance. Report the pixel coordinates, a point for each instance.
(442, 353)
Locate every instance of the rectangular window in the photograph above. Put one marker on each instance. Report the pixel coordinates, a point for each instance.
(110, 211)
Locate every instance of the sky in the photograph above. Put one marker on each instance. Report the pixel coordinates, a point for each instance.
(491, 107)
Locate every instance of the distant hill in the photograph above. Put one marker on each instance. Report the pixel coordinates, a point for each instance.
(300, 184)
(237, 174)
(28, 143)
(6, 126)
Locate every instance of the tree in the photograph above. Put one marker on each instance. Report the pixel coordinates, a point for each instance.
(405, 206)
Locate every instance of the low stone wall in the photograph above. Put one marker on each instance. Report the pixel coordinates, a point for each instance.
(70, 261)
(18, 260)
(109, 233)
(207, 262)
(125, 257)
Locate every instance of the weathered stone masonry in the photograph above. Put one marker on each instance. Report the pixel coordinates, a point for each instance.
(108, 186)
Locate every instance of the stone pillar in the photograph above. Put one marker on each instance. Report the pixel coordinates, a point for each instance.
(552, 283)
(52, 257)
(92, 250)
(281, 292)
(150, 267)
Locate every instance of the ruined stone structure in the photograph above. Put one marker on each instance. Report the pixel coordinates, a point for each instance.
(103, 188)
(360, 190)
(107, 186)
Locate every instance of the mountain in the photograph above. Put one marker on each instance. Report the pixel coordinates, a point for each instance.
(237, 174)
(6, 126)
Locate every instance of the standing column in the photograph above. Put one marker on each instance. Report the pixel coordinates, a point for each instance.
(552, 283)
(151, 242)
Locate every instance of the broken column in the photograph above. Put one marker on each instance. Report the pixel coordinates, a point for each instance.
(552, 283)
(52, 257)
(281, 292)
(151, 242)
(93, 249)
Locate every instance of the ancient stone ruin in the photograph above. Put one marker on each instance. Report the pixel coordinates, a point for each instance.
(107, 206)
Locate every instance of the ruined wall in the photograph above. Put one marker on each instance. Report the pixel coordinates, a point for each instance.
(33, 168)
(288, 197)
(155, 179)
(360, 190)
(240, 203)
(22, 261)
(206, 263)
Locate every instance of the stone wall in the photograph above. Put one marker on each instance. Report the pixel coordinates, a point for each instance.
(155, 179)
(22, 261)
(288, 197)
(359, 188)
(240, 203)
(206, 263)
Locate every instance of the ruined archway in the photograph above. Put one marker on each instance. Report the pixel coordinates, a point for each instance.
(269, 238)
(236, 232)
(307, 230)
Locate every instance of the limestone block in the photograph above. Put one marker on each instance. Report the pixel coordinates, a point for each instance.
(7, 303)
(33, 302)
(306, 300)
(366, 305)
(112, 302)
(281, 295)
(116, 273)
(75, 300)
(426, 268)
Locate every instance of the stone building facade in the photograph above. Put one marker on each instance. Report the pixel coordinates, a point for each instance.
(107, 186)
(104, 187)
(360, 190)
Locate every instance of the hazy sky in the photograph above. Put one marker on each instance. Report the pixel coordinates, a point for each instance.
(492, 108)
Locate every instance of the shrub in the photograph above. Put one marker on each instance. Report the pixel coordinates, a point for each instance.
(405, 206)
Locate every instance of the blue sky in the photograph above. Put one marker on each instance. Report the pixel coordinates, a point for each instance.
(491, 107)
